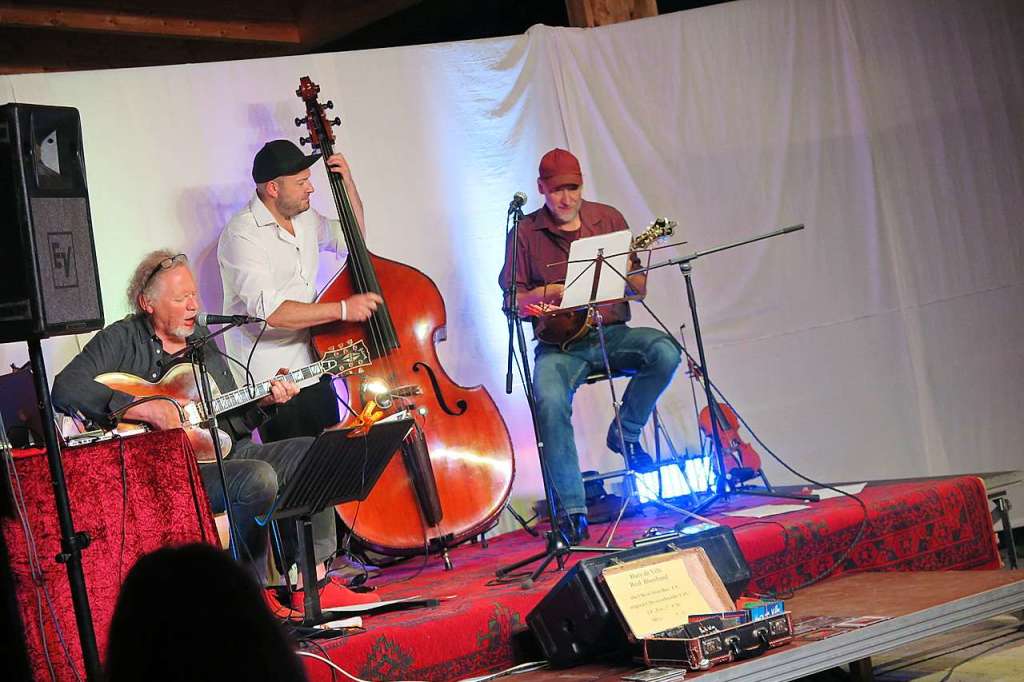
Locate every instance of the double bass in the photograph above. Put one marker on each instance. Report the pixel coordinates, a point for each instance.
(454, 473)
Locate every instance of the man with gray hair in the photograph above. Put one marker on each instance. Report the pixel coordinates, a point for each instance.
(165, 299)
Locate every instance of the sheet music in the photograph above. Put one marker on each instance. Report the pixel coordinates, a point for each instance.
(579, 277)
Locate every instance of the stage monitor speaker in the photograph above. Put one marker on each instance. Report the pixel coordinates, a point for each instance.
(51, 283)
(574, 623)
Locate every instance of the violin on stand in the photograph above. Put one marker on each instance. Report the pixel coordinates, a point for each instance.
(742, 462)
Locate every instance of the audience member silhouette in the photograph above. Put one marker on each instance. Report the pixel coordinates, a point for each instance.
(192, 613)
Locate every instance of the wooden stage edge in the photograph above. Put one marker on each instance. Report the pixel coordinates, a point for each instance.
(918, 605)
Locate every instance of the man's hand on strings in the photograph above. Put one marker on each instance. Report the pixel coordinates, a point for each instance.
(281, 390)
(159, 414)
(358, 308)
(537, 309)
(339, 164)
(540, 300)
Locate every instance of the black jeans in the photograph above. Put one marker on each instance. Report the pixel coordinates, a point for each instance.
(307, 414)
(254, 473)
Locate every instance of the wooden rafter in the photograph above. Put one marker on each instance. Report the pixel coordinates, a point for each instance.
(107, 21)
(590, 13)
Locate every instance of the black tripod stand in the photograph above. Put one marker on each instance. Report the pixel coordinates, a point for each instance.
(558, 547)
(71, 542)
(725, 486)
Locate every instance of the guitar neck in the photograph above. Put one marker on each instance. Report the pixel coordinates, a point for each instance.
(247, 394)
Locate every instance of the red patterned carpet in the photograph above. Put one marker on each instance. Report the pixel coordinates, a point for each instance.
(932, 525)
(136, 496)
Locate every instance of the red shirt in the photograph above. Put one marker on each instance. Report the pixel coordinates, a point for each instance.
(542, 242)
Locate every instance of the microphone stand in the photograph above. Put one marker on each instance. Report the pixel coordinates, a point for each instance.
(195, 352)
(724, 487)
(72, 542)
(558, 547)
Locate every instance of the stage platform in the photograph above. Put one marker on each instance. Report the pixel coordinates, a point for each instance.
(480, 626)
(917, 605)
(135, 495)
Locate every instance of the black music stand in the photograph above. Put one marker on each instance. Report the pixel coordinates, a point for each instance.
(339, 466)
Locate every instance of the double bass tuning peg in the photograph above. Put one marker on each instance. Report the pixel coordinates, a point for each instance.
(304, 140)
(336, 121)
(329, 104)
(299, 122)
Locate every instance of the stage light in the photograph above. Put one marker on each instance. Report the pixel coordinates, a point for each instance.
(695, 476)
(375, 387)
(380, 392)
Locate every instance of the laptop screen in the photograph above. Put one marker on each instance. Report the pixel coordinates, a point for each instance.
(19, 409)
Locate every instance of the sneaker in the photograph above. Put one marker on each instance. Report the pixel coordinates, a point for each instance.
(637, 458)
(271, 597)
(335, 595)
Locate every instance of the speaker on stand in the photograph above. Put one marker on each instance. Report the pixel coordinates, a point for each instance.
(51, 284)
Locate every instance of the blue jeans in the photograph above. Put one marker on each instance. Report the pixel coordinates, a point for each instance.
(649, 354)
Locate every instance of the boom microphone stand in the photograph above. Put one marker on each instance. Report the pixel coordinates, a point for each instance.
(724, 486)
(558, 547)
(195, 352)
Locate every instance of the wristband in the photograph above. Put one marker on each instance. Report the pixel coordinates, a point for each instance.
(344, 311)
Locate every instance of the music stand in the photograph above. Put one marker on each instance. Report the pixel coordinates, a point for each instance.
(601, 296)
(340, 466)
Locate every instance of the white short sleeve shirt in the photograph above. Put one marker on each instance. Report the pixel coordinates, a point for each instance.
(261, 266)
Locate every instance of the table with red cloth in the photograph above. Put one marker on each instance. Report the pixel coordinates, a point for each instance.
(131, 496)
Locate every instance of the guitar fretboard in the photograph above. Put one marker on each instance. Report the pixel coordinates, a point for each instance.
(247, 394)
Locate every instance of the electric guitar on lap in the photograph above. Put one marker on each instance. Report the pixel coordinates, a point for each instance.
(563, 328)
(179, 384)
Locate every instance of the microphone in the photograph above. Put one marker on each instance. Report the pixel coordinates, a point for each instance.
(518, 201)
(212, 318)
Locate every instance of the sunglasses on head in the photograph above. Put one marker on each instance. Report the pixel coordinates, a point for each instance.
(165, 264)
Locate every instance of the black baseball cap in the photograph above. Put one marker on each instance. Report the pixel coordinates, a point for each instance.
(277, 158)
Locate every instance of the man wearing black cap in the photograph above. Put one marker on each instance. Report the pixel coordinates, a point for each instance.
(269, 255)
(649, 355)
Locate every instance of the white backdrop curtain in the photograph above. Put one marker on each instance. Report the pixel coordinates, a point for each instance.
(882, 341)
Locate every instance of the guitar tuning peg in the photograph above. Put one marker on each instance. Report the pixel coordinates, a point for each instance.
(299, 121)
(304, 140)
(329, 104)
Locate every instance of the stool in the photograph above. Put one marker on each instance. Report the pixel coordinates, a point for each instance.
(627, 474)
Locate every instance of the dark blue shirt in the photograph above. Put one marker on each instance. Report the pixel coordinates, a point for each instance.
(131, 346)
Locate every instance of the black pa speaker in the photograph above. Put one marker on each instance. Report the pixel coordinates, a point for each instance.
(51, 283)
(574, 623)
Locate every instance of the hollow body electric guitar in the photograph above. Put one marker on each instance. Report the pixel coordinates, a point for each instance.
(568, 326)
(180, 384)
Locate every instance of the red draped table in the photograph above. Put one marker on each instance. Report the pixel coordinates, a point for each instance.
(132, 496)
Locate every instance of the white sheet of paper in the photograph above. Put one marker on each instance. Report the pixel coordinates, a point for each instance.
(611, 285)
(351, 622)
(767, 510)
(827, 493)
(359, 608)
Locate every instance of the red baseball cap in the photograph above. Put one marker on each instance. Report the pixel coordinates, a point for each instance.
(559, 167)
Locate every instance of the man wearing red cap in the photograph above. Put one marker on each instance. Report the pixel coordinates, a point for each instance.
(650, 355)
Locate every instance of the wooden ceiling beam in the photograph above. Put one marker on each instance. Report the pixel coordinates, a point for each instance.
(590, 13)
(75, 19)
(28, 50)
